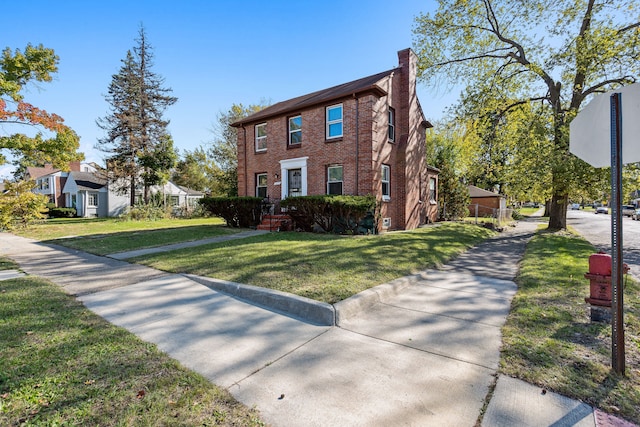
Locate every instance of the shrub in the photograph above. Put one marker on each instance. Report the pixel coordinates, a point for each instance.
(145, 212)
(62, 212)
(236, 211)
(337, 214)
(19, 207)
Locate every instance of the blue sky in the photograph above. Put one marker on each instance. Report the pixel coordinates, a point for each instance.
(212, 54)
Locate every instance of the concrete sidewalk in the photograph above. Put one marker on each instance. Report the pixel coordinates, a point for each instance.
(417, 352)
(181, 245)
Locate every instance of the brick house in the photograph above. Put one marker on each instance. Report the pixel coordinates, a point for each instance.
(362, 137)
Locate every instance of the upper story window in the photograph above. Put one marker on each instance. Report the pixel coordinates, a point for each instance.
(261, 185)
(386, 182)
(93, 200)
(334, 121)
(261, 137)
(334, 180)
(295, 130)
(43, 183)
(392, 124)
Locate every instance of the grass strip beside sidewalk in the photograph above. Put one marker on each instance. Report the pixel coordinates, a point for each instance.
(106, 236)
(60, 364)
(322, 267)
(549, 339)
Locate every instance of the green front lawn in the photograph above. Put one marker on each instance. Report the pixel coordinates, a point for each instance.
(549, 339)
(106, 236)
(62, 365)
(323, 267)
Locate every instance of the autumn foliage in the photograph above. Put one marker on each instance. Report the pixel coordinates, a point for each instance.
(59, 144)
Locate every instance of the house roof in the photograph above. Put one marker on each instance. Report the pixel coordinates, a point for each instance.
(476, 192)
(37, 172)
(88, 180)
(189, 191)
(363, 85)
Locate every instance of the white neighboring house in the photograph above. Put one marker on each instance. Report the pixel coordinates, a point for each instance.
(88, 191)
(177, 196)
(89, 194)
(51, 181)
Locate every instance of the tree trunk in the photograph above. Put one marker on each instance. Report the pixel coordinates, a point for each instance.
(132, 192)
(558, 212)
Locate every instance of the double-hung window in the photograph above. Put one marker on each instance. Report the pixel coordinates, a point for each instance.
(392, 124)
(261, 137)
(44, 184)
(386, 184)
(261, 185)
(432, 191)
(93, 200)
(334, 180)
(334, 121)
(295, 130)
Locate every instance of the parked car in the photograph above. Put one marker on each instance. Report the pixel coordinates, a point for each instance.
(636, 215)
(575, 206)
(628, 210)
(602, 209)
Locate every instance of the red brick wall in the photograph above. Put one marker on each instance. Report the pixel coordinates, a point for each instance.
(362, 150)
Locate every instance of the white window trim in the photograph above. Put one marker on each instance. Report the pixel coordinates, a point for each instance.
(89, 197)
(332, 122)
(330, 182)
(285, 165)
(294, 131)
(392, 124)
(258, 183)
(261, 138)
(385, 197)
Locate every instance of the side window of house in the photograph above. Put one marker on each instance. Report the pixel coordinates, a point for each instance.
(93, 199)
(386, 187)
(44, 184)
(261, 185)
(295, 130)
(334, 121)
(432, 191)
(334, 180)
(175, 201)
(392, 124)
(261, 137)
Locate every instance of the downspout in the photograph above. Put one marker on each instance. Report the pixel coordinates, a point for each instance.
(244, 143)
(357, 143)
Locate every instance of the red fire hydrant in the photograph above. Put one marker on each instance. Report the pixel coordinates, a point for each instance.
(599, 276)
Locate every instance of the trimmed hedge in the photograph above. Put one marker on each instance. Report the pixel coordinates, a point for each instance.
(236, 211)
(336, 214)
(62, 212)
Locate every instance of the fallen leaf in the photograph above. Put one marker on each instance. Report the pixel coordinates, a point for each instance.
(89, 382)
(140, 394)
(4, 396)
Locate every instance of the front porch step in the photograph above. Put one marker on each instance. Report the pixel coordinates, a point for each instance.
(279, 222)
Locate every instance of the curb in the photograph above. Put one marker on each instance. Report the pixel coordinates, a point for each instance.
(306, 309)
(362, 301)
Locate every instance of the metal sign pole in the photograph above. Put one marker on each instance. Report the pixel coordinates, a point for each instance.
(617, 322)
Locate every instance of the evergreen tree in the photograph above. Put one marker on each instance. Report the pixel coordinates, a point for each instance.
(135, 127)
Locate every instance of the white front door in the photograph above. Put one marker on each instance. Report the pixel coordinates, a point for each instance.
(294, 177)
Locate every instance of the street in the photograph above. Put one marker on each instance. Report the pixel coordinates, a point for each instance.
(596, 228)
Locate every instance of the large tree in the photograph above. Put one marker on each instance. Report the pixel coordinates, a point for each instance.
(58, 144)
(224, 147)
(196, 170)
(136, 131)
(557, 54)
